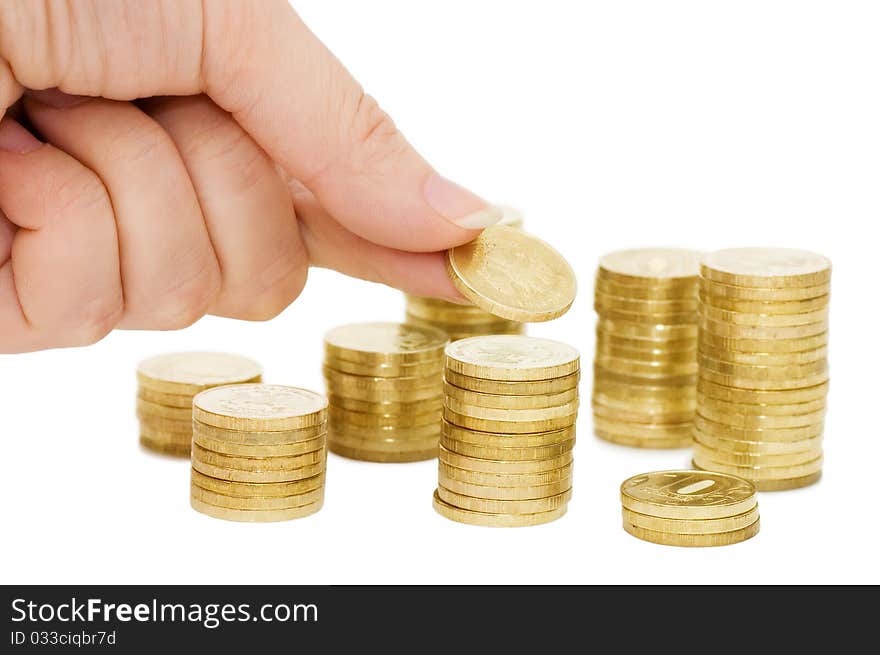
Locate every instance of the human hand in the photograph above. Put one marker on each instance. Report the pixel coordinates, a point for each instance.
(250, 153)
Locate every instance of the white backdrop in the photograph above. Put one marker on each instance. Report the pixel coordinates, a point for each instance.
(610, 124)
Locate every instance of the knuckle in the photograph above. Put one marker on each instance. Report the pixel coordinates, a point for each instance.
(277, 293)
(189, 297)
(372, 131)
(136, 144)
(75, 190)
(97, 319)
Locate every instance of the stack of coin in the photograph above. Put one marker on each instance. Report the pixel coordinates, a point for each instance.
(508, 430)
(259, 452)
(460, 321)
(644, 387)
(763, 355)
(166, 386)
(384, 382)
(690, 508)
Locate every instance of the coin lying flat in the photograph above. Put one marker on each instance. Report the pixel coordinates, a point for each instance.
(257, 489)
(504, 479)
(532, 506)
(693, 540)
(650, 266)
(259, 449)
(497, 465)
(688, 495)
(512, 274)
(259, 407)
(255, 516)
(712, 289)
(766, 267)
(394, 343)
(691, 526)
(513, 388)
(237, 502)
(487, 519)
(369, 455)
(192, 372)
(511, 358)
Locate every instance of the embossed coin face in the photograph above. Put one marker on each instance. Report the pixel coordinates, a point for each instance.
(193, 371)
(651, 264)
(512, 274)
(511, 357)
(401, 340)
(259, 407)
(766, 267)
(688, 494)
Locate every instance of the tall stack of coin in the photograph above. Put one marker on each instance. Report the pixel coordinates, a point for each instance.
(763, 365)
(460, 321)
(166, 386)
(644, 386)
(690, 508)
(508, 430)
(259, 452)
(384, 382)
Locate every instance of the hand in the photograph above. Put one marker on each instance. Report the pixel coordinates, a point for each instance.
(195, 157)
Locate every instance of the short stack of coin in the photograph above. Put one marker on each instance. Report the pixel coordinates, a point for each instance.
(166, 387)
(384, 383)
(508, 430)
(461, 321)
(690, 508)
(644, 386)
(259, 452)
(763, 356)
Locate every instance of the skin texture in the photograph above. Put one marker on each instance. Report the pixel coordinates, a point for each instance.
(164, 159)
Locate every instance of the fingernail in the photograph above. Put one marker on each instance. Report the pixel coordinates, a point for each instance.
(56, 98)
(458, 205)
(14, 138)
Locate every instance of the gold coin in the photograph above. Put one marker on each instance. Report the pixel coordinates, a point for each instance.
(651, 442)
(642, 344)
(758, 447)
(789, 483)
(257, 464)
(166, 399)
(653, 308)
(765, 359)
(506, 454)
(497, 326)
(146, 408)
(507, 415)
(763, 385)
(380, 343)
(765, 308)
(387, 443)
(191, 372)
(512, 274)
(757, 409)
(647, 393)
(166, 446)
(386, 370)
(505, 493)
(703, 453)
(503, 506)
(693, 540)
(426, 301)
(237, 502)
(763, 320)
(763, 346)
(512, 358)
(257, 489)
(486, 519)
(260, 407)
(387, 407)
(509, 388)
(504, 479)
(647, 369)
(641, 406)
(183, 436)
(759, 294)
(254, 437)
(766, 267)
(656, 356)
(384, 420)
(651, 267)
(691, 526)
(453, 314)
(259, 450)
(763, 396)
(688, 319)
(602, 375)
(759, 421)
(761, 472)
(732, 331)
(341, 428)
(512, 427)
(688, 495)
(634, 330)
(237, 475)
(724, 431)
(753, 371)
(650, 418)
(644, 430)
(525, 465)
(346, 381)
(399, 457)
(495, 440)
(165, 424)
(499, 401)
(254, 516)
(687, 290)
(372, 395)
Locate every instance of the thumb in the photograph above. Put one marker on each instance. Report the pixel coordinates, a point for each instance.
(313, 118)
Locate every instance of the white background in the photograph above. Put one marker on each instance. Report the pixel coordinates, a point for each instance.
(610, 124)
